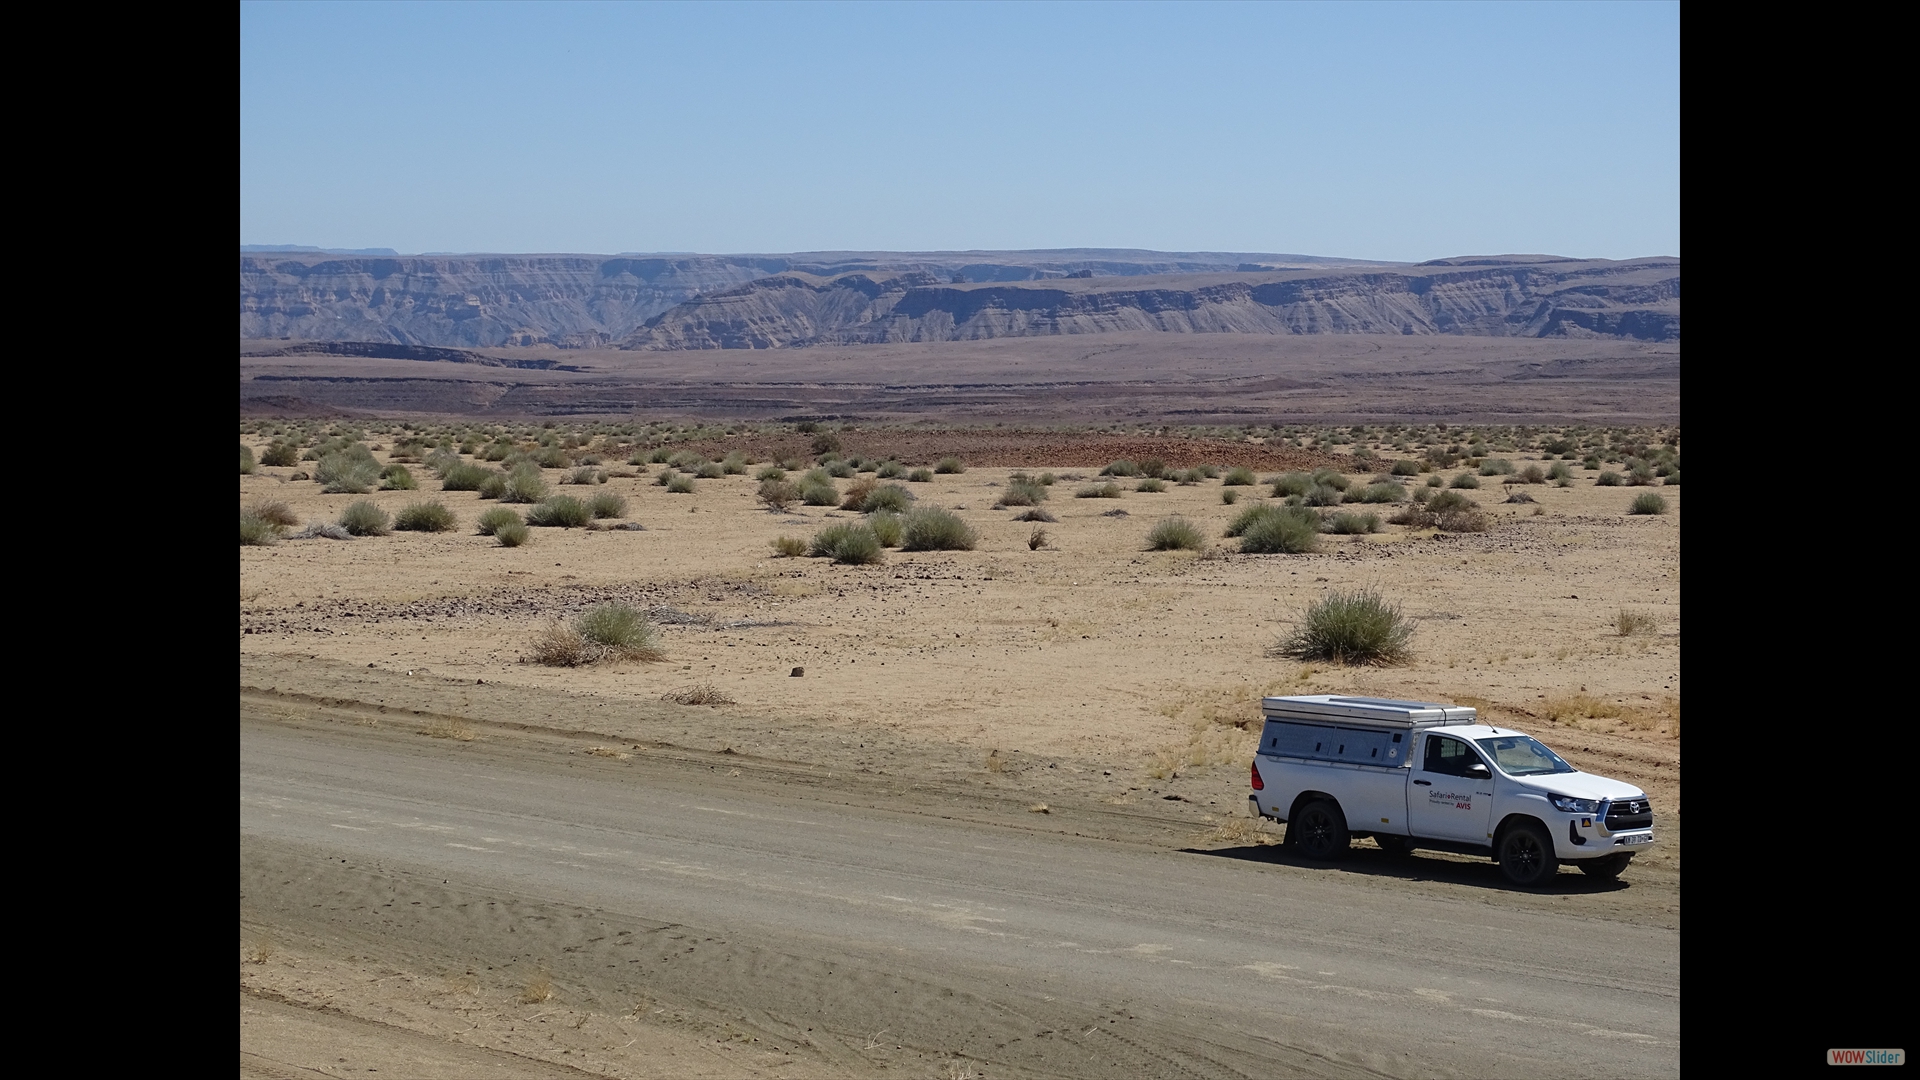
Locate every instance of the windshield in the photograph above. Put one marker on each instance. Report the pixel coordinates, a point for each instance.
(1518, 755)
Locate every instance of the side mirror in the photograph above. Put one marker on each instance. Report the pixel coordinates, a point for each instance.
(1478, 771)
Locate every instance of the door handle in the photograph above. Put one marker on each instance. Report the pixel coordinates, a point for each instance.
(1424, 783)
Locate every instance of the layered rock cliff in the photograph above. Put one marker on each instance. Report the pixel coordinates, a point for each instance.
(1527, 297)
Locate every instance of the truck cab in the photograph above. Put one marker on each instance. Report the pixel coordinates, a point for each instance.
(1429, 775)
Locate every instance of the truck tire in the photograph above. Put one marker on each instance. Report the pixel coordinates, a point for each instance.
(1526, 855)
(1608, 868)
(1319, 831)
(1394, 845)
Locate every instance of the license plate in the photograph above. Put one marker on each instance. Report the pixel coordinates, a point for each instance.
(1637, 839)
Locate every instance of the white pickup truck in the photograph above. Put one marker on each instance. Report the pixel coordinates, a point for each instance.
(1414, 774)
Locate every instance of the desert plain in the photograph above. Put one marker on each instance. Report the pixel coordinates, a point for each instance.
(1069, 686)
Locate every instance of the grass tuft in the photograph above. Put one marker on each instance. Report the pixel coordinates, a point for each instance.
(848, 543)
(1648, 503)
(363, 518)
(933, 529)
(428, 516)
(1175, 534)
(1358, 627)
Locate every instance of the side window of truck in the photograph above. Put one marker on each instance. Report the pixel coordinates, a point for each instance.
(1449, 757)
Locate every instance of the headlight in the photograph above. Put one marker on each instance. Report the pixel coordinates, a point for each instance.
(1574, 806)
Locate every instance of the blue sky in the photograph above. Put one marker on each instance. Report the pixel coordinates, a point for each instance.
(1366, 130)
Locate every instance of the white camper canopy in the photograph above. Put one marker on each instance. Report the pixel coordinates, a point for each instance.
(1371, 712)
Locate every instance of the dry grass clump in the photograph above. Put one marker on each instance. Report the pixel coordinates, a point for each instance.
(1628, 623)
(273, 511)
(1648, 503)
(429, 516)
(611, 631)
(363, 518)
(700, 694)
(853, 545)
(1108, 490)
(789, 547)
(495, 518)
(933, 529)
(1175, 534)
(256, 531)
(1357, 627)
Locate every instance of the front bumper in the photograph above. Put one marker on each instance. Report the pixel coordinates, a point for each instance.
(1585, 836)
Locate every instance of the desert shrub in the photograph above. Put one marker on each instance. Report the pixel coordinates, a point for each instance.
(495, 518)
(789, 547)
(770, 472)
(552, 457)
(524, 484)
(1022, 492)
(256, 531)
(888, 497)
(659, 456)
(1607, 479)
(679, 484)
(1281, 530)
(348, 471)
(1154, 468)
(1459, 521)
(1293, 483)
(493, 486)
(1496, 467)
(1036, 514)
(777, 494)
(587, 474)
(1036, 539)
(1648, 503)
(1108, 490)
(1672, 480)
(1640, 475)
(1205, 471)
(363, 518)
(1466, 481)
(890, 470)
(273, 512)
(619, 629)
(1559, 471)
(1358, 627)
(1349, 524)
(1174, 534)
(838, 469)
(559, 512)
(1045, 479)
(920, 476)
(845, 542)
(607, 504)
(735, 464)
(1332, 478)
(1122, 467)
(1238, 476)
(397, 478)
(464, 476)
(949, 465)
(428, 516)
(1322, 495)
(1377, 493)
(932, 529)
(1229, 496)
(819, 491)
(1415, 517)
(1532, 474)
(1405, 467)
(826, 443)
(1150, 484)
(1436, 480)
(280, 454)
(856, 496)
(887, 526)
(246, 459)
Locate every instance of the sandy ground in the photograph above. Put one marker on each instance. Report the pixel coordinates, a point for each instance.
(1088, 667)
